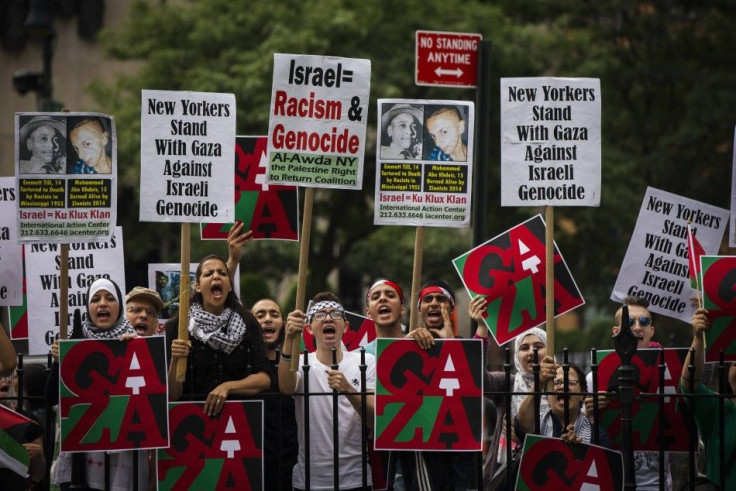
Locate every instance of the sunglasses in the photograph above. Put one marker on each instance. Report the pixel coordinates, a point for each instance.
(643, 321)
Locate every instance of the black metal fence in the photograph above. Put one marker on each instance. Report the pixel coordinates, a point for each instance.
(624, 393)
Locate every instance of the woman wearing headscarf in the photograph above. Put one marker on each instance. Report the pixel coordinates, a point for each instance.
(104, 320)
(495, 384)
(227, 355)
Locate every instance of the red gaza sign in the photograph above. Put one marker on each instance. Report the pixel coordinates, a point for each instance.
(446, 58)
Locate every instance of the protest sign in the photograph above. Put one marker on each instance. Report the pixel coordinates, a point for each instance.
(223, 452)
(719, 285)
(509, 270)
(359, 331)
(550, 141)
(187, 148)
(113, 394)
(429, 399)
(551, 463)
(165, 278)
(656, 262)
(318, 119)
(88, 261)
(645, 410)
(13, 427)
(11, 255)
(66, 176)
(271, 211)
(424, 169)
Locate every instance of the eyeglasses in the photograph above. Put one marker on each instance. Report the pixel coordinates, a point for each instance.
(559, 383)
(137, 310)
(334, 314)
(643, 321)
(440, 298)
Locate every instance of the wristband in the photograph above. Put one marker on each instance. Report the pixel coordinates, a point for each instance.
(285, 357)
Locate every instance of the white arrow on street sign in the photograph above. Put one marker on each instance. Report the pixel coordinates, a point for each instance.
(442, 71)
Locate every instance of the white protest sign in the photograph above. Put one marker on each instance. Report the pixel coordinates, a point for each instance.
(550, 141)
(66, 176)
(318, 120)
(424, 170)
(187, 152)
(732, 228)
(656, 262)
(165, 278)
(87, 262)
(11, 253)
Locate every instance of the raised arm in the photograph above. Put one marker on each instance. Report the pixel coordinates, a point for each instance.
(525, 416)
(701, 323)
(294, 327)
(236, 240)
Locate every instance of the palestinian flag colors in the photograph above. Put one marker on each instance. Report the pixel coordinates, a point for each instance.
(359, 332)
(510, 271)
(13, 455)
(550, 463)
(645, 411)
(694, 251)
(429, 399)
(270, 210)
(719, 298)
(113, 394)
(220, 452)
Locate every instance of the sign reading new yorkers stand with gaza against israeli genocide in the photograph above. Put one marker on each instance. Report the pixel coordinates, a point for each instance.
(187, 148)
(88, 261)
(656, 262)
(11, 256)
(319, 113)
(550, 141)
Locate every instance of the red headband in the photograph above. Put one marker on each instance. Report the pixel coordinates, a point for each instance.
(390, 283)
(434, 289)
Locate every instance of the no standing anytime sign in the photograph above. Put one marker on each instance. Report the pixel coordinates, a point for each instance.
(446, 58)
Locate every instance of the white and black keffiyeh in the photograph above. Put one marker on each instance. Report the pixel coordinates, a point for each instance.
(222, 332)
(122, 326)
(324, 304)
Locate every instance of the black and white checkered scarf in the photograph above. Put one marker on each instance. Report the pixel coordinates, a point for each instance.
(222, 332)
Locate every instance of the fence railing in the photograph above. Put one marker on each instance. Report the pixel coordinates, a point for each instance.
(627, 399)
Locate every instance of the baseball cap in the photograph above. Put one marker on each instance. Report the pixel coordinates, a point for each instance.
(147, 294)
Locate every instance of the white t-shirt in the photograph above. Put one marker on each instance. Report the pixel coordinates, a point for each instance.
(320, 425)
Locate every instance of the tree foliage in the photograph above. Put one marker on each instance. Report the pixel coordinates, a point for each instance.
(667, 85)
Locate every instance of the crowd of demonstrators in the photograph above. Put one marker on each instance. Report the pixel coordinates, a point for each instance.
(706, 409)
(325, 320)
(236, 354)
(104, 320)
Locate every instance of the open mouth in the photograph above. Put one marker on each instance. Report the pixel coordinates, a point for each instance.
(103, 315)
(329, 331)
(140, 329)
(216, 291)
